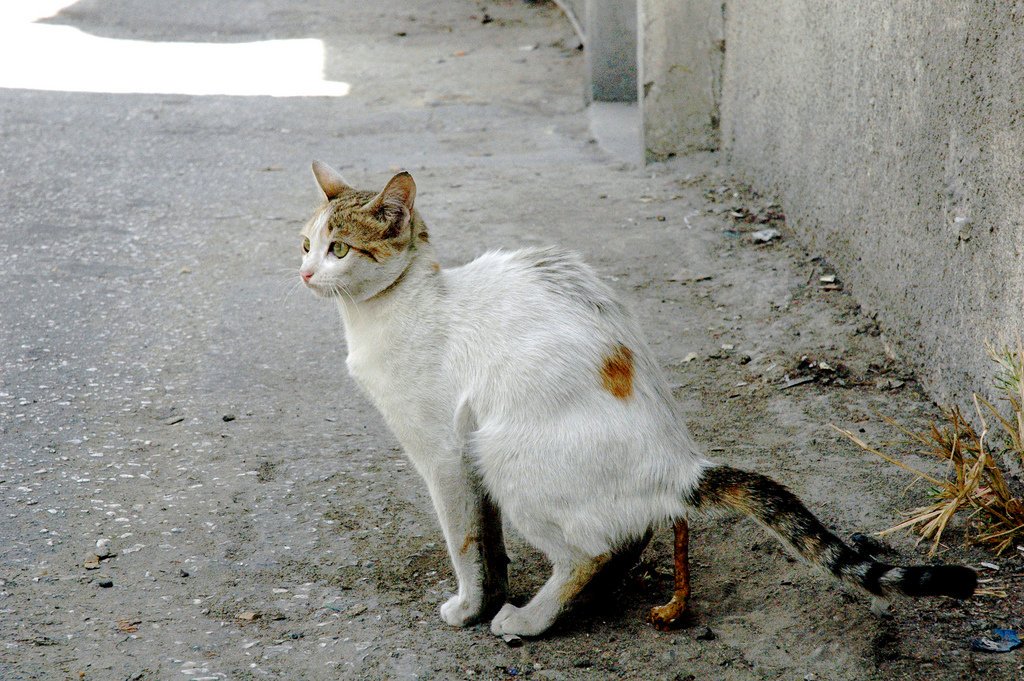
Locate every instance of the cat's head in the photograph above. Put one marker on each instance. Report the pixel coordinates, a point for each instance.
(358, 243)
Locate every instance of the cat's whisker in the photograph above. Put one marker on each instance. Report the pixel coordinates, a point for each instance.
(338, 290)
(355, 306)
(287, 286)
(283, 285)
(291, 290)
(285, 274)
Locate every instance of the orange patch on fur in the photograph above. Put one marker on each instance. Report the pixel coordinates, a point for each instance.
(469, 541)
(738, 497)
(436, 266)
(581, 576)
(617, 372)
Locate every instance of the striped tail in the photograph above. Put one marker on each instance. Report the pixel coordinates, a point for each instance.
(778, 510)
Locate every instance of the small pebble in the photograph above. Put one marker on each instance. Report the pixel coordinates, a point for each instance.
(106, 583)
(103, 547)
(706, 635)
(228, 417)
(765, 236)
(512, 640)
(183, 573)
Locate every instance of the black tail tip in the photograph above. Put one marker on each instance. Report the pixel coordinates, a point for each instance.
(965, 581)
(955, 581)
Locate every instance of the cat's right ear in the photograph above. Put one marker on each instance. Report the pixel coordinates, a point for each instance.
(330, 180)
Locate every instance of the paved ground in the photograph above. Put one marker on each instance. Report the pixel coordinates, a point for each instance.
(164, 384)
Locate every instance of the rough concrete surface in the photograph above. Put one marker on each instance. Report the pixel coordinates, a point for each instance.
(680, 49)
(892, 133)
(611, 50)
(164, 385)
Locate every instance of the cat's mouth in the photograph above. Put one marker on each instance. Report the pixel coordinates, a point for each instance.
(320, 290)
(323, 292)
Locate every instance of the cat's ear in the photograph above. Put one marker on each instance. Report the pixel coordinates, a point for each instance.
(330, 180)
(393, 206)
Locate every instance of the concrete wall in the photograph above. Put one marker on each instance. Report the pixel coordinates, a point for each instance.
(680, 57)
(610, 27)
(893, 133)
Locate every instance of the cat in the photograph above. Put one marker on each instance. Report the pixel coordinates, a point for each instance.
(520, 388)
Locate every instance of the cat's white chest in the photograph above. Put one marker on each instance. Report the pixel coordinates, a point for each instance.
(392, 377)
(368, 350)
(367, 366)
(405, 396)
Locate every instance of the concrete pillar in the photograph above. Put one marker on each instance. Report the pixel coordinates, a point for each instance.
(611, 50)
(681, 46)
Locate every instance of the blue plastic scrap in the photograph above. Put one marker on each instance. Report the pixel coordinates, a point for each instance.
(1004, 641)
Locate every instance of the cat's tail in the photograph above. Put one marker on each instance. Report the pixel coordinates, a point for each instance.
(779, 511)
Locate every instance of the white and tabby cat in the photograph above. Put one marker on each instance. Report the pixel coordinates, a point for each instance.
(521, 388)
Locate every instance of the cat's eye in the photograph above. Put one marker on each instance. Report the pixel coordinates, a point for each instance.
(305, 244)
(339, 249)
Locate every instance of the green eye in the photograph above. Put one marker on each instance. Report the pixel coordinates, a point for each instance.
(305, 244)
(339, 249)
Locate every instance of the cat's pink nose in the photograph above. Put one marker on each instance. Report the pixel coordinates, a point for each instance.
(306, 276)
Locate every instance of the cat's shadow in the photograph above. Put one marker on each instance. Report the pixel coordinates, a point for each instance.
(619, 599)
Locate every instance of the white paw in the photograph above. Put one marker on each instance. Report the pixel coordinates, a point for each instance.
(459, 612)
(513, 620)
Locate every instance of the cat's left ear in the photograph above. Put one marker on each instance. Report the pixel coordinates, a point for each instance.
(393, 205)
(330, 180)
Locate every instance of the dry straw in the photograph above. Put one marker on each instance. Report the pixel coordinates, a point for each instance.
(976, 482)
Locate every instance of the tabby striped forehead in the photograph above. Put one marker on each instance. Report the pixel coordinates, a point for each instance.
(344, 219)
(343, 216)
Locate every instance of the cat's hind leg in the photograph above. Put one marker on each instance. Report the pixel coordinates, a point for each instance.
(568, 577)
(665, 617)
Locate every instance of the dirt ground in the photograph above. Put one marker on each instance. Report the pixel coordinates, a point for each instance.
(165, 386)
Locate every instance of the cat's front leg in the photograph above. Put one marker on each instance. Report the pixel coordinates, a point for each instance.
(472, 530)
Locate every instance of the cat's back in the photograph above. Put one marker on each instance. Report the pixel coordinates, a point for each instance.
(540, 322)
(534, 282)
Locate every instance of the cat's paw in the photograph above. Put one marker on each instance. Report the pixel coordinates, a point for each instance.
(513, 620)
(459, 612)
